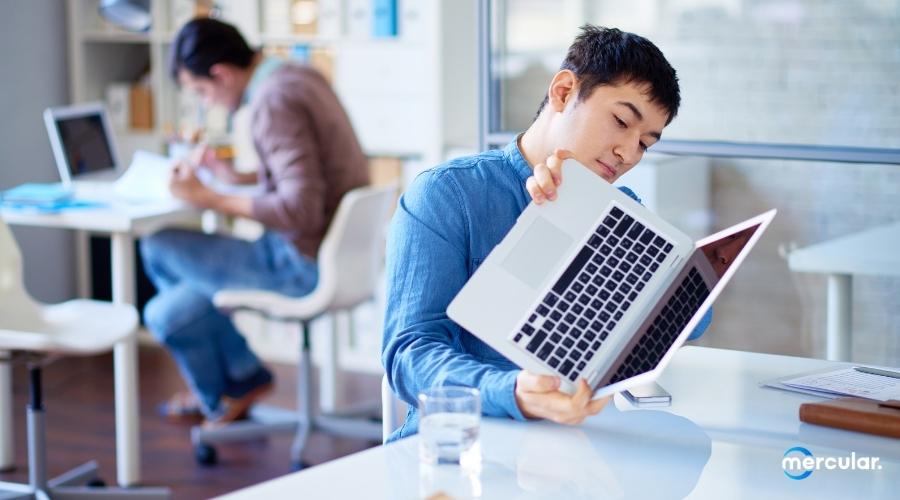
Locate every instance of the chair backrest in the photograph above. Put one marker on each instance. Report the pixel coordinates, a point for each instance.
(351, 255)
(18, 311)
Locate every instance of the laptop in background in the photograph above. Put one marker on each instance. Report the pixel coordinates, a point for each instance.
(596, 286)
(82, 143)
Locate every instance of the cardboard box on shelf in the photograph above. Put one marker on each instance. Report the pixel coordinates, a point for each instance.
(141, 109)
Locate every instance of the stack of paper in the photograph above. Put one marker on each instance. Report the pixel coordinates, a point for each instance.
(853, 381)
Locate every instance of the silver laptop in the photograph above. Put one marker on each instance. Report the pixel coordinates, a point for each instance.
(596, 286)
(82, 143)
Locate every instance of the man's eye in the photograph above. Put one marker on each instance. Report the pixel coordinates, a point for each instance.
(643, 146)
(620, 122)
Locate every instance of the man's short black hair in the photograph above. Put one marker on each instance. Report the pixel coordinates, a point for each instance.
(203, 42)
(608, 56)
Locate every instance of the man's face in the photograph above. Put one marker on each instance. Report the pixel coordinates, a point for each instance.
(610, 130)
(215, 90)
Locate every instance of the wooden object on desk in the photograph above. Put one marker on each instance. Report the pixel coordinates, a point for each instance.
(855, 414)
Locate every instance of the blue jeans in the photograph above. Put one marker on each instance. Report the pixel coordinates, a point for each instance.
(188, 268)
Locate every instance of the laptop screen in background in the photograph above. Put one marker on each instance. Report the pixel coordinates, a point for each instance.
(85, 144)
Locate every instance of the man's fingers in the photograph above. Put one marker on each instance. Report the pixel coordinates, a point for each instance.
(545, 181)
(531, 382)
(596, 405)
(555, 161)
(536, 194)
(582, 395)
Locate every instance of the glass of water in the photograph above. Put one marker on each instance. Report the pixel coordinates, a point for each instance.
(448, 428)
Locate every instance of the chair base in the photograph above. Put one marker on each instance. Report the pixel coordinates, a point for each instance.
(74, 484)
(81, 482)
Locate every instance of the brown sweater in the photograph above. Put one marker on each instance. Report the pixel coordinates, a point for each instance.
(308, 153)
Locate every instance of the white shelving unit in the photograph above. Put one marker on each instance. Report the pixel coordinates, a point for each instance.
(412, 95)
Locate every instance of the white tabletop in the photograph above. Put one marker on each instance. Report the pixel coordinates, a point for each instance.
(872, 252)
(112, 217)
(724, 437)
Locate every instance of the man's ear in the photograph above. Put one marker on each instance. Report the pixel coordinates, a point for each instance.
(221, 72)
(563, 88)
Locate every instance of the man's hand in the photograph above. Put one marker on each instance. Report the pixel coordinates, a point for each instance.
(203, 155)
(185, 185)
(547, 177)
(538, 396)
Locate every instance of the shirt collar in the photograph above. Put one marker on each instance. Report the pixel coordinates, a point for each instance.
(265, 68)
(514, 156)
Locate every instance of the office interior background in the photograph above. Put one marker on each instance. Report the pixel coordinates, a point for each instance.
(787, 104)
(822, 75)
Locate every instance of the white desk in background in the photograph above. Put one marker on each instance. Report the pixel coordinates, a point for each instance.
(873, 252)
(123, 222)
(723, 437)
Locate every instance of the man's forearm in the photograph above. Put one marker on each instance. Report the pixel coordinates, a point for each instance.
(236, 206)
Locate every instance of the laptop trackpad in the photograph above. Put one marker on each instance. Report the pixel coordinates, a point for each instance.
(537, 252)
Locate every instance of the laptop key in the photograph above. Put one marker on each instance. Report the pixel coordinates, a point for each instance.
(577, 308)
(566, 367)
(549, 325)
(609, 222)
(527, 329)
(555, 315)
(638, 248)
(554, 362)
(572, 271)
(555, 337)
(542, 310)
(581, 365)
(577, 287)
(550, 299)
(603, 335)
(616, 212)
(594, 241)
(632, 296)
(517, 338)
(536, 341)
(603, 231)
(590, 313)
(582, 323)
(568, 342)
(573, 376)
(545, 351)
(647, 237)
(626, 243)
(659, 241)
(623, 225)
(635, 230)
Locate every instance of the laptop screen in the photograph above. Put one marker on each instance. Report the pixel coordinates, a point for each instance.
(85, 144)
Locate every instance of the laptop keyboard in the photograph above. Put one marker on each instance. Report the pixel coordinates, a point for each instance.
(574, 319)
(670, 321)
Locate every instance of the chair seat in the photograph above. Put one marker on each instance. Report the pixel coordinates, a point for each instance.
(273, 305)
(76, 327)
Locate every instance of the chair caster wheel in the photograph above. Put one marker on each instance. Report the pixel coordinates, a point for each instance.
(96, 483)
(205, 454)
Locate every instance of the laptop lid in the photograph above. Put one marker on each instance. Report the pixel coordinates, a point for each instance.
(82, 142)
(713, 263)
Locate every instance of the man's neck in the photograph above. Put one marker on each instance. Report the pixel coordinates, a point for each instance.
(249, 71)
(532, 142)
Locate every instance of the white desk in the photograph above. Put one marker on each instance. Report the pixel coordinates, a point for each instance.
(872, 252)
(123, 222)
(724, 437)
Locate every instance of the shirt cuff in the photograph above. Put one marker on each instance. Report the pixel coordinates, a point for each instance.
(507, 395)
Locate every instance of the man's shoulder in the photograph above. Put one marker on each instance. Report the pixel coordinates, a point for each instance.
(478, 167)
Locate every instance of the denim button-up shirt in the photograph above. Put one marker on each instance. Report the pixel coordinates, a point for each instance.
(445, 225)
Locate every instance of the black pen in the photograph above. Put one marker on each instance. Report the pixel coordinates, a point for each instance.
(876, 371)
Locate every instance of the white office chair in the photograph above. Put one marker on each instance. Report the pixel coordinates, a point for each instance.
(389, 420)
(30, 332)
(349, 261)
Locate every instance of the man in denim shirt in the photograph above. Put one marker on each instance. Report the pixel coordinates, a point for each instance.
(610, 101)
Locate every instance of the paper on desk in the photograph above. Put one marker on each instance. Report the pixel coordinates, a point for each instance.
(147, 178)
(850, 382)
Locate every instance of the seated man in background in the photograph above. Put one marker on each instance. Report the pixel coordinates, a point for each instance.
(309, 157)
(607, 104)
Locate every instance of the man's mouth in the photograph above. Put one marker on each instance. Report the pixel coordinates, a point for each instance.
(608, 171)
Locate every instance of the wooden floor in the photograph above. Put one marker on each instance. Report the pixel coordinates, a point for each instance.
(78, 394)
